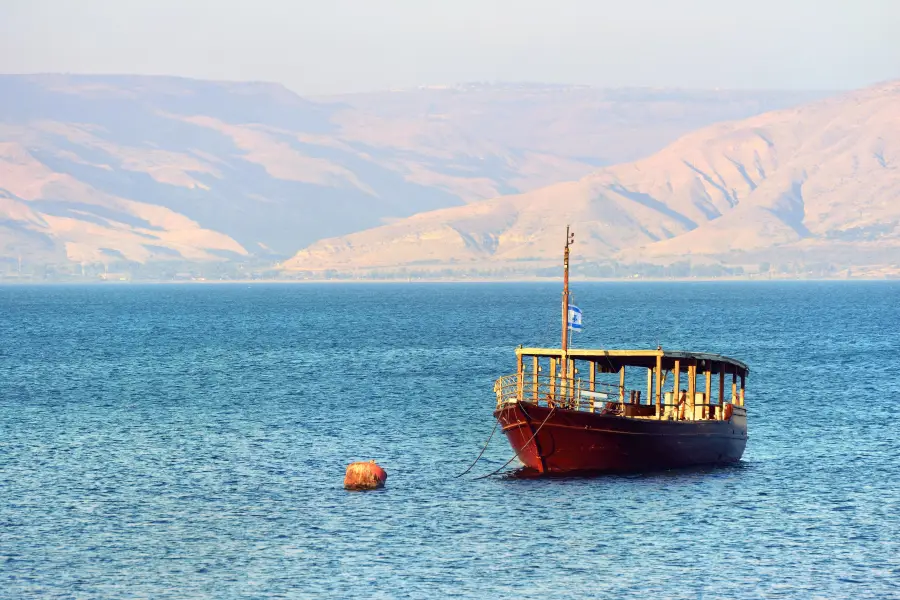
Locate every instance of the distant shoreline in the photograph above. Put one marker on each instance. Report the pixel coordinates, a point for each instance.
(536, 280)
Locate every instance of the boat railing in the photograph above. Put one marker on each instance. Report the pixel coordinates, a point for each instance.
(696, 412)
(575, 393)
(700, 409)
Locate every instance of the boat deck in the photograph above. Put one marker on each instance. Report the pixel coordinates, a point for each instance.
(577, 394)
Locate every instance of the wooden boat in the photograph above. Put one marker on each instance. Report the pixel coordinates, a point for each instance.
(569, 411)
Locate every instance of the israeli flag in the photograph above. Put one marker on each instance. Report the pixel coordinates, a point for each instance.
(574, 318)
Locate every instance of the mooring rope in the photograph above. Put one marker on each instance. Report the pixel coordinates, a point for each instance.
(516, 455)
(480, 454)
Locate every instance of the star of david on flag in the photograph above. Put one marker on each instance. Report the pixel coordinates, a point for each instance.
(574, 318)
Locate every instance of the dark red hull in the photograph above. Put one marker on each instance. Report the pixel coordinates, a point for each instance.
(581, 442)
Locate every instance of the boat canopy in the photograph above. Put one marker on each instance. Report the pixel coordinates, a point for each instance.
(616, 359)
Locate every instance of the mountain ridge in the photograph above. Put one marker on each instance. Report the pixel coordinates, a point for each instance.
(783, 181)
(123, 172)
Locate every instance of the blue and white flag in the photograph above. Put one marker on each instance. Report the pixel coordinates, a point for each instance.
(574, 318)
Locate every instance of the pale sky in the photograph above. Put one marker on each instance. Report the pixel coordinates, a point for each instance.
(334, 46)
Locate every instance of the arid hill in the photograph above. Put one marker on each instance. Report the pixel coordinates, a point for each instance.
(126, 170)
(815, 184)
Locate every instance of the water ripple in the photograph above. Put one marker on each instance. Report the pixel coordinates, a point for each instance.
(189, 442)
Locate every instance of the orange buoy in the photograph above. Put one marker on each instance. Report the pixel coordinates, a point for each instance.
(364, 476)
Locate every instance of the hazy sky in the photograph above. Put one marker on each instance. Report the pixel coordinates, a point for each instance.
(328, 46)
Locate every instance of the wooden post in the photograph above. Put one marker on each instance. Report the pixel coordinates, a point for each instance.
(649, 385)
(658, 375)
(592, 384)
(734, 385)
(721, 391)
(571, 382)
(552, 380)
(676, 393)
(622, 384)
(520, 377)
(535, 369)
(707, 410)
(742, 389)
(692, 388)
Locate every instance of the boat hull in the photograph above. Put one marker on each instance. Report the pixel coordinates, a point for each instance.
(569, 441)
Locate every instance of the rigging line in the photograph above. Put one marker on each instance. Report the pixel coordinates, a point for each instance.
(516, 455)
(477, 458)
(612, 367)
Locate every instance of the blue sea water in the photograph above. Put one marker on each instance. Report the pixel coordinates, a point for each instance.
(190, 442)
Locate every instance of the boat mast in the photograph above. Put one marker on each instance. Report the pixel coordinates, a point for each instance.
(570, 238)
